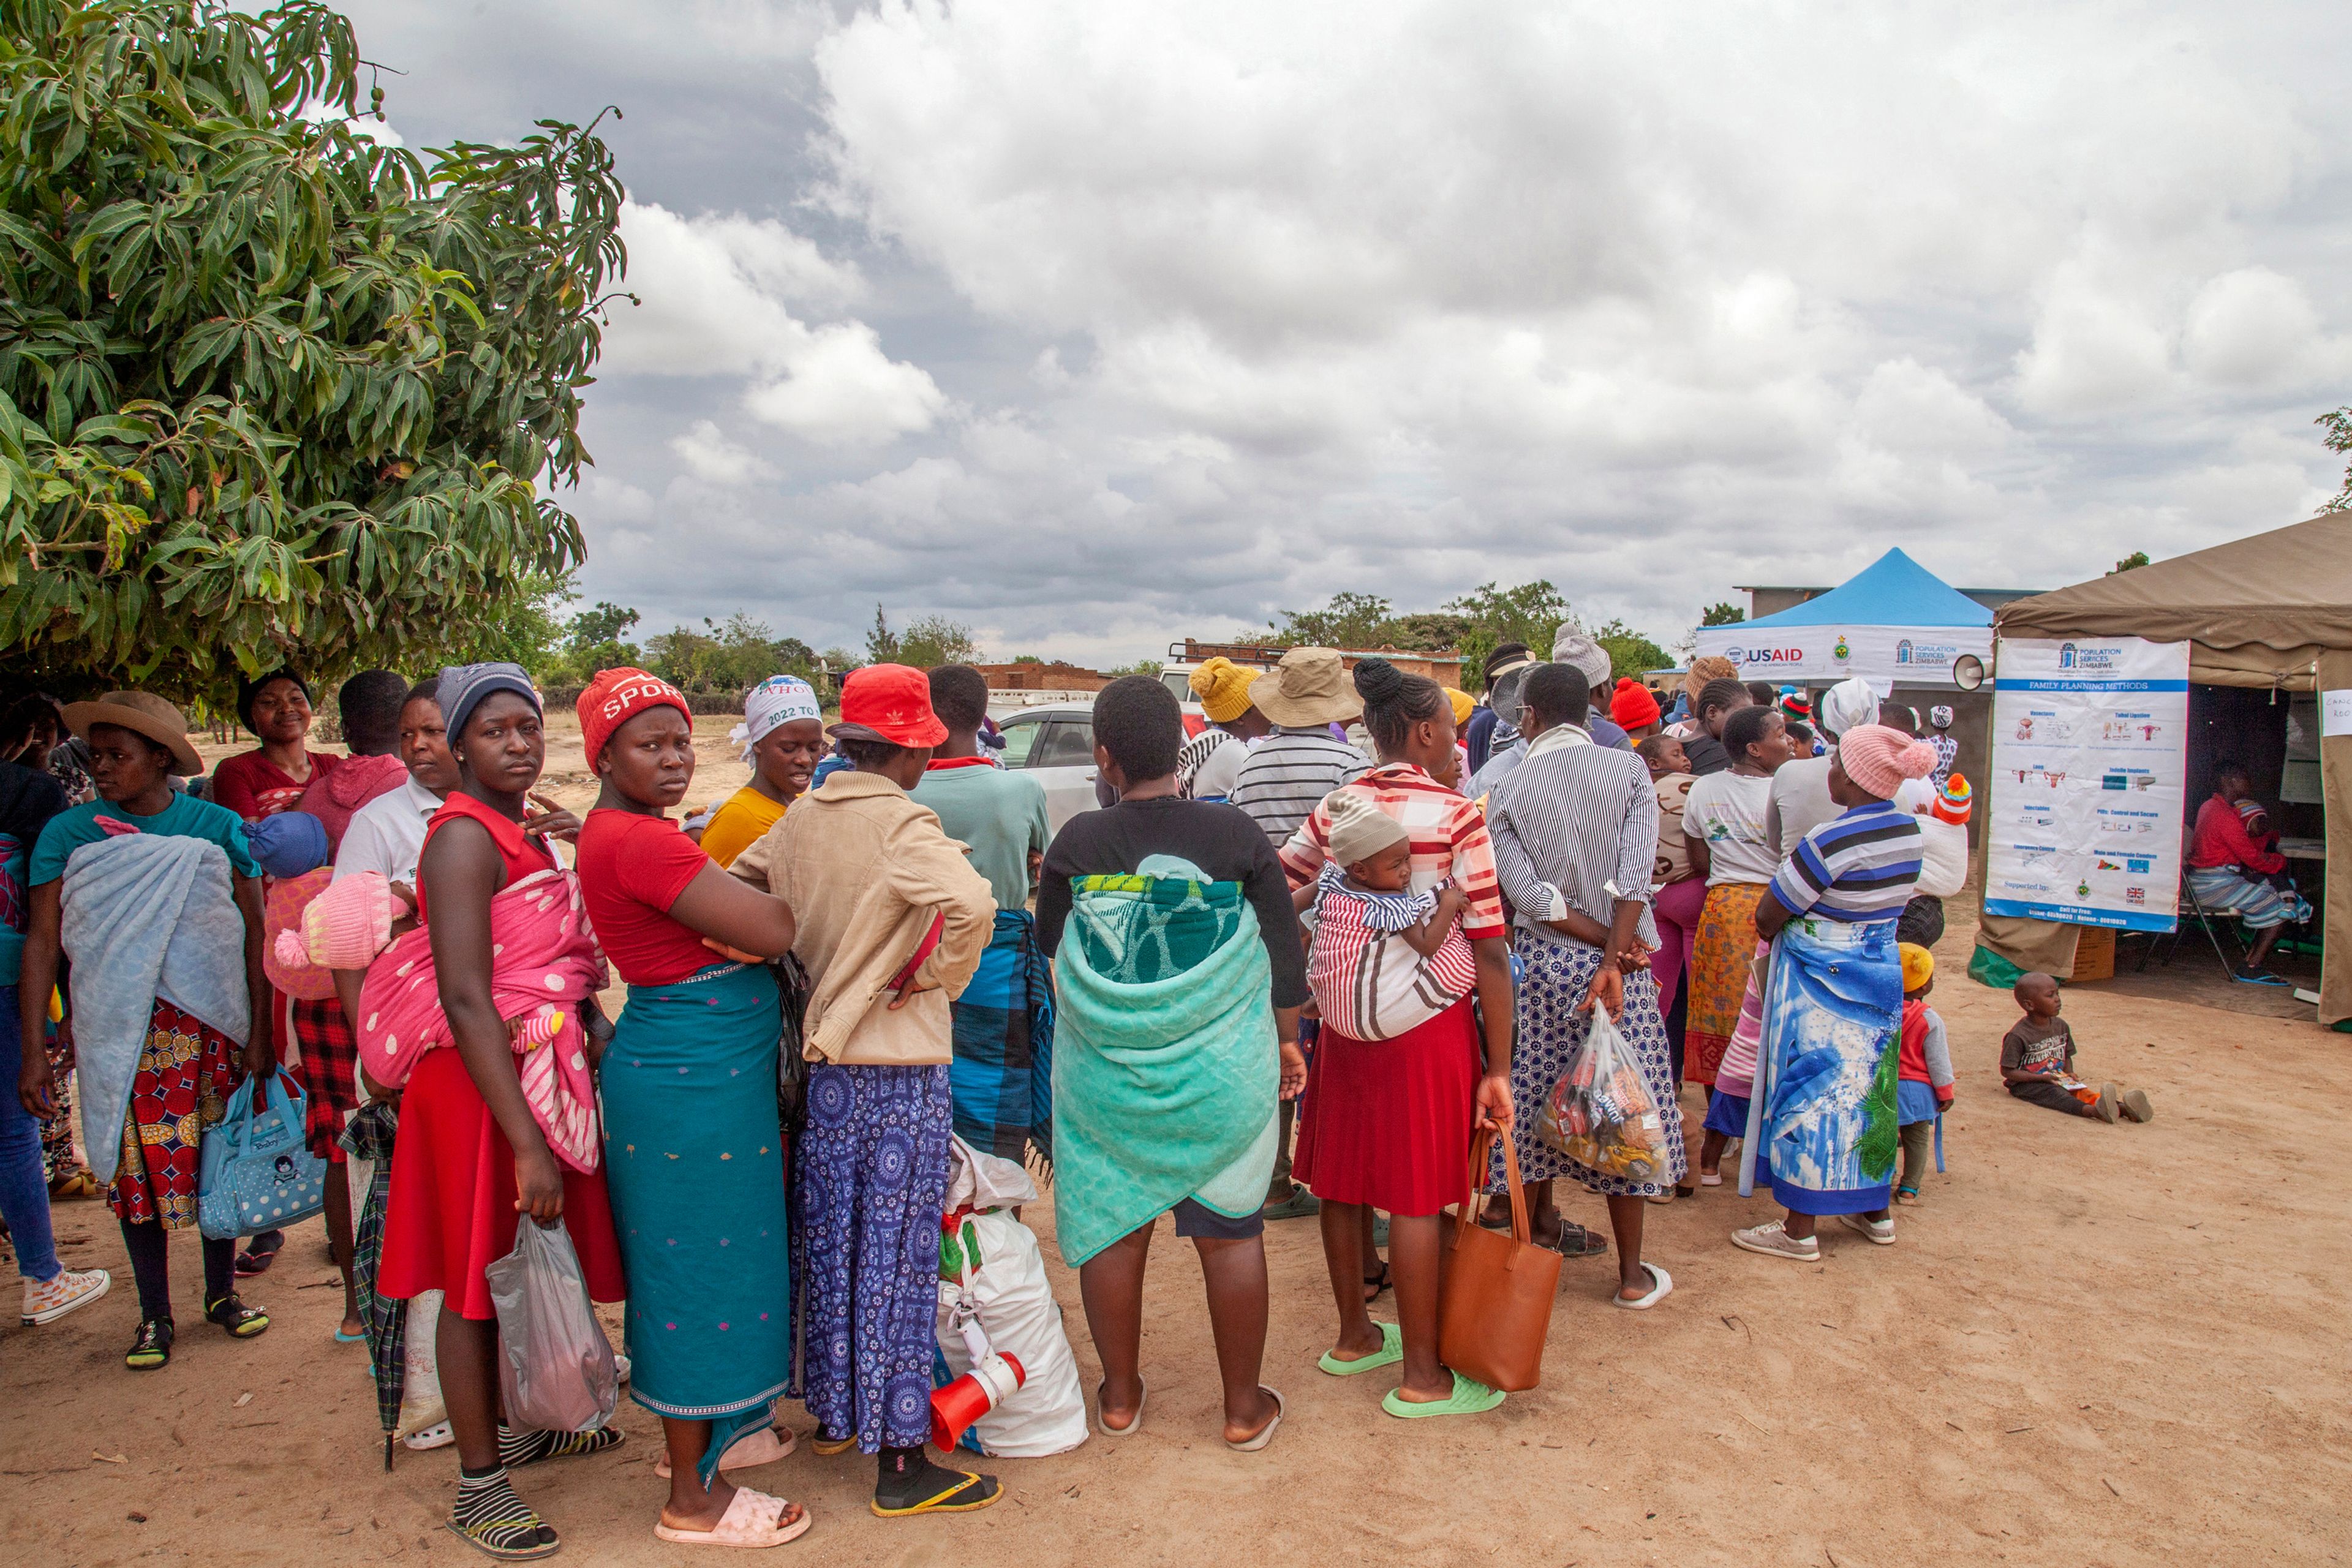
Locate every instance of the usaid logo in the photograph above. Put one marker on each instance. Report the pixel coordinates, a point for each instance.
(1745, 655)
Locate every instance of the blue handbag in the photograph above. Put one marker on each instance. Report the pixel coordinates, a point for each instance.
(255, 1170)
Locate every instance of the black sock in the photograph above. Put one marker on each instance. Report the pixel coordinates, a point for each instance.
(528, 1446)
(150, 1265)
(220, 1271)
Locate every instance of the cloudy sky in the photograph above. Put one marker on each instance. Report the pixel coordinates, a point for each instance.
(1092, 324)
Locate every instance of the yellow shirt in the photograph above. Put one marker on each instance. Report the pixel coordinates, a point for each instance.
(738, 825)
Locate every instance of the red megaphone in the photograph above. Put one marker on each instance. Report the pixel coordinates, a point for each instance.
(971, 1396)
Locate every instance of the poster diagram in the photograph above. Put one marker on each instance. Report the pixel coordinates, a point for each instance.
(2089, 762)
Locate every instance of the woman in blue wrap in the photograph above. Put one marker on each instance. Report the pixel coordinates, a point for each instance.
(1179, 976)
(694, 1156)
(1821, 1123)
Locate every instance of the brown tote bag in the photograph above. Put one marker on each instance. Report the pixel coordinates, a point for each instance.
(1493, 1309)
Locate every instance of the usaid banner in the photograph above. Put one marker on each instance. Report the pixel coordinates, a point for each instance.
(1825, 654)
(2090, 746)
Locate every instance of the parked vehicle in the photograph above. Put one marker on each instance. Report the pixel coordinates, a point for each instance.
(1056, 744)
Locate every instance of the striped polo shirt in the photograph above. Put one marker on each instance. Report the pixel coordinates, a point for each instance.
(1287, 775)
(1448, 834)
(1858, 867)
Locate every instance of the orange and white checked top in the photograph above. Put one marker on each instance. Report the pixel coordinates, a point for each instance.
(1447, 831)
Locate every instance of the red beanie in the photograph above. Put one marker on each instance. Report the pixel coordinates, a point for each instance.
(617, 696)
(1633, 706)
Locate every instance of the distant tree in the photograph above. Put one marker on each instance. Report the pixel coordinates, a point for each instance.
(2136, 558)
(604, 624)
(1426, 631)
(931, 641)
(1722, 615)
(271, 390)
(881, 643)
(1631, 652)
(1349, 621)
(1146, 666)
(1531, 613)
(1026, 659)
(2339, 426)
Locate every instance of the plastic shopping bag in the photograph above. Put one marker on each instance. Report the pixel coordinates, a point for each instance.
(556, 1370)
(255, 1171)
(1600, 1114)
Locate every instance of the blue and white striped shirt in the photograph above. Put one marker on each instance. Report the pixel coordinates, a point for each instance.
(1858, 867)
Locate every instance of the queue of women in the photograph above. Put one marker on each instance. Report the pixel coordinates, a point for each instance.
(1262, 917)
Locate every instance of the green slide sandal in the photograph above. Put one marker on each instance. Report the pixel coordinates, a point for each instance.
(1469, 1397)
(1392, 1352)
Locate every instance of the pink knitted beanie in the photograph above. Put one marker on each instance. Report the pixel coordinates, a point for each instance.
(1879, 758)
(344, 927)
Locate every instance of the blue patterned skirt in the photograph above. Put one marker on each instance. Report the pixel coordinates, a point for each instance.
(1551, 1029)
(869, 1180)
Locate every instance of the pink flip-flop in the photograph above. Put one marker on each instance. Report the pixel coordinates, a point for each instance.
(753, 1521)
(749, 1452)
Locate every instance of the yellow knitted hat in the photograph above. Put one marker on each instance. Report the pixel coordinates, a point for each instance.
(1918, 965)
(1463, 705)
(1224, 689)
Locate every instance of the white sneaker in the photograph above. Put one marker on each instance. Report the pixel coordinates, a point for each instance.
(1881, 1231)
(46, 1301)
(1773, 1240)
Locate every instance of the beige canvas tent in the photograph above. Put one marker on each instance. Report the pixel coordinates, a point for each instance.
(2272, 611)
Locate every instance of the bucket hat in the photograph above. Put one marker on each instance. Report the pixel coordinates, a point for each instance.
(1309, 686)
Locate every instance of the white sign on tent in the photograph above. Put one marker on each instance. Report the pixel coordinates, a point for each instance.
(1824, 654)
(2090, 749)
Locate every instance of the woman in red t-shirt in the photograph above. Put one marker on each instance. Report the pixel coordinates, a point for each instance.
(271, 777)
(262, 782)
(694, 1155)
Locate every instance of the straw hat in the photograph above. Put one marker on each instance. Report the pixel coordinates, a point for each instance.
(141, 713)
(1309, 687)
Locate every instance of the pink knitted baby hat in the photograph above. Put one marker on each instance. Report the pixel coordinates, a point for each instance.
(1879, 758)
(344, 927)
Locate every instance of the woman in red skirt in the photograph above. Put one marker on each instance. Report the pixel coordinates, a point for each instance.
(471, 1159)
(1409, 928)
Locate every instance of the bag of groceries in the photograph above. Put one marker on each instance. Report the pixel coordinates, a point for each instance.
(1600, 1114)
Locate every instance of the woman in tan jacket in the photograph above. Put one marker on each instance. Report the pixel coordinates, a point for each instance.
(892, 924)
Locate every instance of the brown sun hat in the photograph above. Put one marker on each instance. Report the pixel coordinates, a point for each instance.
(1309, 687)
(141, 713)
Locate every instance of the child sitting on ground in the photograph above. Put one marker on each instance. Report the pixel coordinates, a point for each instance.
(1923, 1085)
(2037, 1061)
(1363, 986)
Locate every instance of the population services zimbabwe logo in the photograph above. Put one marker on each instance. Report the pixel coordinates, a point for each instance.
(1902, 651)
(1840, 651)
(2065, 655)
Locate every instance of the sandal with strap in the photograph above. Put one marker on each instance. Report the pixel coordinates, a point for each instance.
(241, 1322)
(255, 1261)
(151, 1348)
(1377, 1284)
(752, 1520)
(1470, 1397)
(1574, 1241)
(1392, 1352)
(969, 1492)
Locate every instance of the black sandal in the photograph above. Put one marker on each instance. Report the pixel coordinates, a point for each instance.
(1575, 1241)
(152, 1347)
(255, 1260)
(243, 1322)
(1376, 1285)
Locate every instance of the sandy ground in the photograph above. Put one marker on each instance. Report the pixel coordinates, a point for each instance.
(2109, 1345)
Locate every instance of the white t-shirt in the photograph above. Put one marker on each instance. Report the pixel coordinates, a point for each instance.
(1943, 846)
(1215, 778)
(386, 835)
(1727, 810)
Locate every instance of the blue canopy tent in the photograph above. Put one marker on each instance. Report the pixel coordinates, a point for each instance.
(1895, 622)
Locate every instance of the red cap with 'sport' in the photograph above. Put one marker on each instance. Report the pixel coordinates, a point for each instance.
(888, 703)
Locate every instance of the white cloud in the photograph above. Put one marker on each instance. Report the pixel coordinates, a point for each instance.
(840, 389)
(2250, 326)
(709, 454)
(714, 293)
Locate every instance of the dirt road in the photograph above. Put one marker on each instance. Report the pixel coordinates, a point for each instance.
(2111, 1346)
